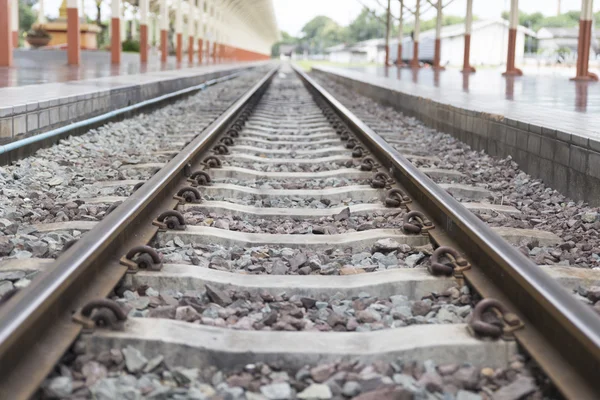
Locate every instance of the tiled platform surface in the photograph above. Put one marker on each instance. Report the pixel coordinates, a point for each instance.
(558, 144)
(34, 67)
(32, 109)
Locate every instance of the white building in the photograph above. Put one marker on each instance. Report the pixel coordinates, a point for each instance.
(489, 46)
(552, 41)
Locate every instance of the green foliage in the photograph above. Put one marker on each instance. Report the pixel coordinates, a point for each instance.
(26, 16)
(366, 26)
(131, 46)
(322, 32)
(537, 20)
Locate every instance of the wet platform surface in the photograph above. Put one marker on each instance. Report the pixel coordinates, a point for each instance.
(34, 67)
(550, 101)
(551, 91)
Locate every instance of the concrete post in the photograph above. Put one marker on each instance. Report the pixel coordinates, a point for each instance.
(115, 32)
(73, 40)
(387, 34)
(437, 55)
(584, 42)
(400, 34)
(216, 34)
(164, 30)
(6, 37)
(144, 5)
(512, 40)
(467, 68)
(200, 30)
(178, 31)
(207, 29)
(41, 17)
(14, 22)
(415, 60)
(191, 30)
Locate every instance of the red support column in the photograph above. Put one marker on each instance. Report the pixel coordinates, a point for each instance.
(191, 49)
(437, 55)
(164, 46)
(73, 40)
(207, 57)
(200, 50)
(511, 70)
(14, 15)
(584, 43)
(467, 68)
(467, 55)
(144, 43)
(215, 52)
(144, 31)
(179, 50)
(6, 37)
(415, 60)
(164, 31)
(115, 41)
(399, 61)
(115, 33)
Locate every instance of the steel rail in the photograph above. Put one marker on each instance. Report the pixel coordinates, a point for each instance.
(561, 333)
(36, 325)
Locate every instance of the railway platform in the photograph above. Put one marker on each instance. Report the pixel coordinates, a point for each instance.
(543, 123)
(34, 100)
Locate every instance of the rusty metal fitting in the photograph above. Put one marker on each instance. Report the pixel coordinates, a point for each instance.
(416, 222)
(188, 194)
(345, 135)
(137, 186)
(456, 265)
(104, 313)
(212, 162)
(504, 327)
(221, 149)
(351, 143)
(200, 178)
(233, 133)
(380, 180)
(358, 151)
(227, 141)
(367, 164)
(142, 257)
(396, 198)
(170, 219)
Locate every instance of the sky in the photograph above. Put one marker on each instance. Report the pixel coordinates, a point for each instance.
(293, 14)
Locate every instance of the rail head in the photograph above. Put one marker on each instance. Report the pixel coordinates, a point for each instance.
(90, 268)
(561, 333)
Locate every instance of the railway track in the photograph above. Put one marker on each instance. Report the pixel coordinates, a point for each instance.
(289, 251)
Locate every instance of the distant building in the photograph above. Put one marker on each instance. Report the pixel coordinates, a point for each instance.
(287, 51)
(552, 41)
(489, 46)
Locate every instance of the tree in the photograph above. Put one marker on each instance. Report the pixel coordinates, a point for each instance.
(366, 26)
(537, 20)
(322, 32)
(26, 17)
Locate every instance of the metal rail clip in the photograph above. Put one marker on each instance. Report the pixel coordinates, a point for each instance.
(416, 222)
(188, 194)
(170, 219)
(104, 313)
(142, 257)
(396, 198)
(200, 178)
(504, 326)
(456, 265)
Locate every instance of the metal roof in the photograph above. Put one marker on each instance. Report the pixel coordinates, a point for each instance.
(258, 15)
